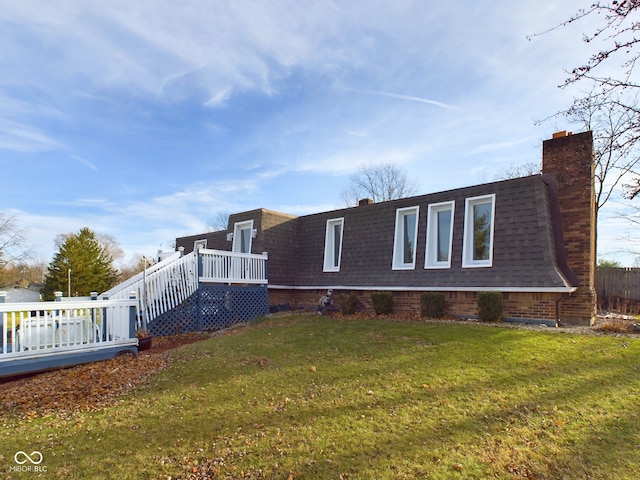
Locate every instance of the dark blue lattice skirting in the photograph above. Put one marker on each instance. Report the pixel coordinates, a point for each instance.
(213, 307)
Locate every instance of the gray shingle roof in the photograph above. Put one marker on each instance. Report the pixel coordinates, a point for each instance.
(528, 254)
(525, 254)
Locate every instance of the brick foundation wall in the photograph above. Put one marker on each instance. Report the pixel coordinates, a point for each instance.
(537, 306)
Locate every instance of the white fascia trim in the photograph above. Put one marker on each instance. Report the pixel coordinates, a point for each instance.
(431, 289)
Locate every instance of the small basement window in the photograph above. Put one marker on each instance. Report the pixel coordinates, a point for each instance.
(406, 234)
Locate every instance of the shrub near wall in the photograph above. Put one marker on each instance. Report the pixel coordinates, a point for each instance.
(432, 304)
(489, 306)
(348, 303)
(382, 302)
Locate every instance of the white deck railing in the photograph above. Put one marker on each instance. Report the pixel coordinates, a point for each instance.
(39, 328)
(167, 288)
(160, 287)
(133, 284)
(219, 266)
(168, 283)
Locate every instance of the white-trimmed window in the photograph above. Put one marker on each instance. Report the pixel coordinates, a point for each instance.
(439, 235)
(198, 244)
(333, 245)
(242, 236)
(477, 244)
(406, 234)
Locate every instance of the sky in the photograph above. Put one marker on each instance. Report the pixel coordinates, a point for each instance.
(147, 120)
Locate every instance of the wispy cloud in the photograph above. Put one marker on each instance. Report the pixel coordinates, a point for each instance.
(19, 137)
(409, 98)
(347, 161)
(190, 207)
(84, 162)
(498, 146)
(219, 98)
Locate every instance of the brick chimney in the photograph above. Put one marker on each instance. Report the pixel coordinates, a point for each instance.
(570, 159)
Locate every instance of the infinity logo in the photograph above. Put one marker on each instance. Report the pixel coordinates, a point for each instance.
(26, 458)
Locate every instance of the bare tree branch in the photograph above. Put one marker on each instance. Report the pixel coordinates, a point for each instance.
(610, 108)
(517, 171)
(616, 139)
(12, 241)
(381, 182)
(219, 222)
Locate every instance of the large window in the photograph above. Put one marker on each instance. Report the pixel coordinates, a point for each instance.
(404, 244)
(477, 248)
(242, 235)
(333, 245)
(439, 235)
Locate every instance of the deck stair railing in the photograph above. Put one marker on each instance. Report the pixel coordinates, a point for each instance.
(160, 287)
(171, 281)
(134, 283)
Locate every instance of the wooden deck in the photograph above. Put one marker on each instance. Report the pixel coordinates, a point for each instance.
(36, 336)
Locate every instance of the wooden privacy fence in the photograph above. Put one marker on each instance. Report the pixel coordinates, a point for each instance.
(618, 289)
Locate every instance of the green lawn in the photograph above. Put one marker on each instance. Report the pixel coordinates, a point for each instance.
(308, 397)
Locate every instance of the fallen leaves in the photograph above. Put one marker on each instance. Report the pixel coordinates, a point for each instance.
(85, 387)
(197, 466)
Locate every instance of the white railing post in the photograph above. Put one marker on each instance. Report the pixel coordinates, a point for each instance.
(144, 317)
(132, 316)
(3, 329)
(103, 328)
(265, 265)
(55, 313)
(94, 317)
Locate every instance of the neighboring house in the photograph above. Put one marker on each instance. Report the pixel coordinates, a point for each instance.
(16, 293)
(531, 238)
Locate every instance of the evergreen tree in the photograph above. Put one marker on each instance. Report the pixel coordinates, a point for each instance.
(89, 262)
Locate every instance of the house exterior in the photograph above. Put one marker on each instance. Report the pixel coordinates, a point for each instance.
(16, 293)
(530, 238)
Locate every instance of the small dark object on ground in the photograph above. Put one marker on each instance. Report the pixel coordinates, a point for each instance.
(144, 343)
(325, 304)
